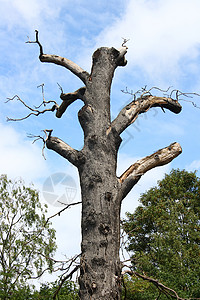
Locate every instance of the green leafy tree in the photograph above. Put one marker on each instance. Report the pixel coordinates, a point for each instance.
(48, 291)
(26, 238)
(164, 235)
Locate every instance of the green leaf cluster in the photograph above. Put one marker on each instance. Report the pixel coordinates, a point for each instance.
(47, 291)
(68, 291)
(27, 240)
(164, 236)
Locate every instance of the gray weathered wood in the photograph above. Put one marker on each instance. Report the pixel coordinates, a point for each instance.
(101, 190)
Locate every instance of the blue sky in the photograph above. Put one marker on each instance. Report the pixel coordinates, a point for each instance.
(164, 50)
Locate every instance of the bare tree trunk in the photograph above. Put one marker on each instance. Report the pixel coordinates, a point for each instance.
(100, 264)
(102, 191)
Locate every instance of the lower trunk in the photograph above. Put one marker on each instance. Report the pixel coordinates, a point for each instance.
(100, 263)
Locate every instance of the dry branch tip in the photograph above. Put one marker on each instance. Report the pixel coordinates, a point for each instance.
(36, 42)
(44, 138)
(124, 42)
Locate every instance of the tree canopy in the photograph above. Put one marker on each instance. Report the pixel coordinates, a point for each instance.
(164, 236)
(27, 240)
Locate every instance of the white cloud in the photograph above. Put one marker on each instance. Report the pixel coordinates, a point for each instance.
(195, 165)
(18, 157)
(27, 13)
(160, 32)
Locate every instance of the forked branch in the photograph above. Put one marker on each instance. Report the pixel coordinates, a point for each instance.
(44, 138)
(67, 100)
(36, 42)
(72, 155)
(34, 111)
(62, 61)
(132, 175)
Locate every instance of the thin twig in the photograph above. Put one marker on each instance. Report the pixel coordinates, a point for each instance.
(144, 92)
(60, 87)
(64, 279)
(124, 42)
(47, 134)
(36, 42)
(164, 289)
(34, 111)
(58, 213)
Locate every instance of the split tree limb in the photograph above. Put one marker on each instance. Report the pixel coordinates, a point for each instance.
(162, 157)
(62, 61)
(121, 58)
(74, 156)
(130, 112)
(68, 99)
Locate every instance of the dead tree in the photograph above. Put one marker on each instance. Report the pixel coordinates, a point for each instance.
(101, 190)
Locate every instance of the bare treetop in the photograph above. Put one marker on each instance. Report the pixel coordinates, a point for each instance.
(102, 191)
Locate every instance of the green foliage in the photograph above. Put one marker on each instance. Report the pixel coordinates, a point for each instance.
(26, 239)
(21, 293)
(138, 289)
(68, 291)
(164, 236)
(47, 291)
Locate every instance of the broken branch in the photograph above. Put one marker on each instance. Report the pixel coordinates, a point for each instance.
(130, 112)
(68, 99)
(122, 51)
(62, 61)
(162, 157)
(74, 156)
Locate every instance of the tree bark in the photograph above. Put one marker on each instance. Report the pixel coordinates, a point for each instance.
(100, 264)
(102, 192)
